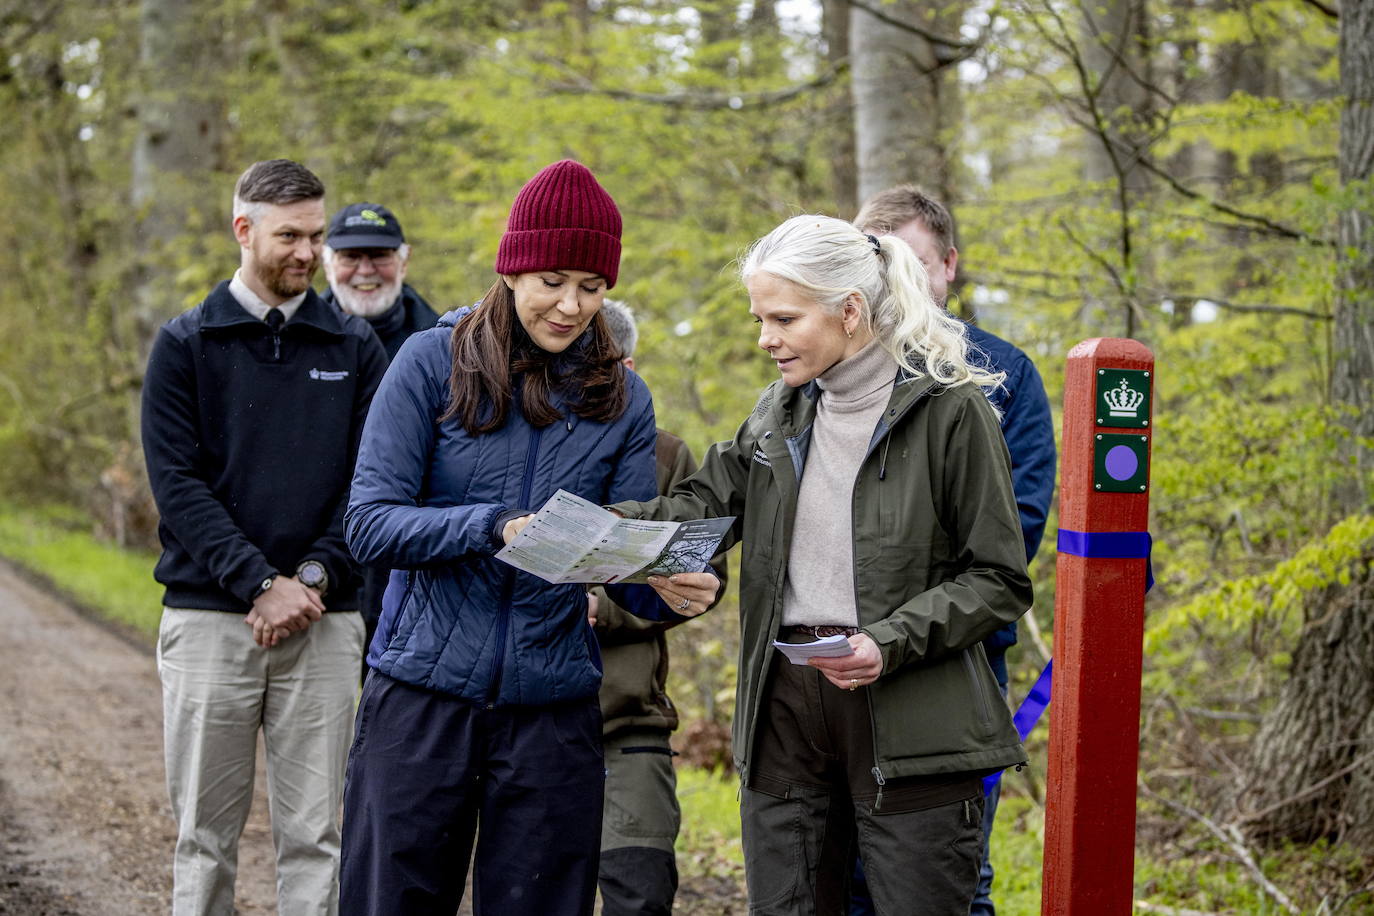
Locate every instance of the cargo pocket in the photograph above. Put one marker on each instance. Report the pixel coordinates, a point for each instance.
(783, 831)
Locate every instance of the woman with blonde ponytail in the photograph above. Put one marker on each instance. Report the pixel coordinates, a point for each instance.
(901, 538)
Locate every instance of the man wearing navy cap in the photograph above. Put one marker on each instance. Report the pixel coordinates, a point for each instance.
(365, 259)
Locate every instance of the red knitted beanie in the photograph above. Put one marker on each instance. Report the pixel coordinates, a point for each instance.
(562, 220)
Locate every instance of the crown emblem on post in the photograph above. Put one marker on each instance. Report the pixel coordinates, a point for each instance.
(1123, 400)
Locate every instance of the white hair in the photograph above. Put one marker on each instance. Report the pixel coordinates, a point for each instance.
(830, 260)
(620, 321)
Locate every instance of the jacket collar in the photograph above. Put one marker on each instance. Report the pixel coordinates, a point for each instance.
(221, 310)
(795, 408)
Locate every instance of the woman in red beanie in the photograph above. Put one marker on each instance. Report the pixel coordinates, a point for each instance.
(481, 707)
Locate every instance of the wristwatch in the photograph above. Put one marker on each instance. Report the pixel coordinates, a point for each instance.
(313, 575)
(263, 586)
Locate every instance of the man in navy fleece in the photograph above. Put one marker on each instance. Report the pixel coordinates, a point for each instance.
(253, 406)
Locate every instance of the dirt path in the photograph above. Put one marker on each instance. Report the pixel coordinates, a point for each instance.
(85, 825)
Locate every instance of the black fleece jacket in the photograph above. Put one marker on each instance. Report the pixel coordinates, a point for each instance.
(250, 442)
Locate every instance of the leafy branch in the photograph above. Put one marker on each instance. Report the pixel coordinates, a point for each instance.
(707, 101)
(948, 50)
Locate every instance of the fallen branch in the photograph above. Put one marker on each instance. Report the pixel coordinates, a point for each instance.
(1231, 837)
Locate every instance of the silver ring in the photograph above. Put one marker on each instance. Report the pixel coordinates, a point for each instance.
(686, 603)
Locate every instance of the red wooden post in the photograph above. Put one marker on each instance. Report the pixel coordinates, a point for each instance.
(1098, 627)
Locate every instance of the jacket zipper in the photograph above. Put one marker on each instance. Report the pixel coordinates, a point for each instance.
(508, 586)
(854, 571)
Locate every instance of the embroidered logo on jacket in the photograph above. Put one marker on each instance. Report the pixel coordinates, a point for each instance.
(762, 458)
(329, 375)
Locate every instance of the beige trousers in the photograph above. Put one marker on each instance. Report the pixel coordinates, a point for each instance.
(218, 689)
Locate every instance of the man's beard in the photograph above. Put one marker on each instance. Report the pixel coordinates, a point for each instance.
(367, 304)
(276, 280)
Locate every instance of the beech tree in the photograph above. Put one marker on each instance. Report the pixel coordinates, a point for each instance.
(906, 93)
(1311, 773)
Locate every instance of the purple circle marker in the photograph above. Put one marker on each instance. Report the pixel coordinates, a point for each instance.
(1121, 462)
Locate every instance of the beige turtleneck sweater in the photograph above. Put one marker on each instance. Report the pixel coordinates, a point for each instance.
(820, 565)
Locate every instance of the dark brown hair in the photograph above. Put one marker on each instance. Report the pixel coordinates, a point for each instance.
(493, 356)
(277, 181)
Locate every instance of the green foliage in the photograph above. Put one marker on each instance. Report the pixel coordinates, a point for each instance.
(1281, 591)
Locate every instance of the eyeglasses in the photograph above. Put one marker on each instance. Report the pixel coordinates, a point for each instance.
(352, 257)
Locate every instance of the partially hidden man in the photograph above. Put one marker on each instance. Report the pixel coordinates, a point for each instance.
(638, 871)
(253, 405)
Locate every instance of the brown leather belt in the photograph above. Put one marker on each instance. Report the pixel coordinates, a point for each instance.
(817, 632)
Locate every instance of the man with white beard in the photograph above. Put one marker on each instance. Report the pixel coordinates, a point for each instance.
(365, 259)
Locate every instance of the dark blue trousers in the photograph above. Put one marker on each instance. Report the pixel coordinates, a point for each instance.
(430, 774)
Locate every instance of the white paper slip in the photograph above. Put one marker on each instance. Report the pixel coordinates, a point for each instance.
(827, 647)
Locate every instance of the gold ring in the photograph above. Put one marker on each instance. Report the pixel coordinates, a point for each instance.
(853, 683)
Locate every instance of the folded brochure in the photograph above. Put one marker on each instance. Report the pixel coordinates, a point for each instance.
(573, 540)
(825, 647)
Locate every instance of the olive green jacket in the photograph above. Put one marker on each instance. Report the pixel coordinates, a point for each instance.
(939, 563)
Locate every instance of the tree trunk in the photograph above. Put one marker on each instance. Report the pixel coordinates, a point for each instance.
(844, 174)
(181, 123)
(906, 97)
(1115, 45)
(1310, 775)
(1321, 730)
(1352, 339)
(1116, 52)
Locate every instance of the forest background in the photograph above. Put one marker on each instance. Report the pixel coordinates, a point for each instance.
(1191, 173)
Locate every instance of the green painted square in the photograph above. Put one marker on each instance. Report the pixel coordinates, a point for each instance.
(1121, 464)
(1123, 398)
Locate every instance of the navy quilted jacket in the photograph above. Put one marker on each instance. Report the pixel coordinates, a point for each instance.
(425, 498)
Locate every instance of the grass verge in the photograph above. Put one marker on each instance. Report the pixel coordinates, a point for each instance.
(57, 546)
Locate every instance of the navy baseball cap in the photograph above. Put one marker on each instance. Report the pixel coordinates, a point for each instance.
(364, 226)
